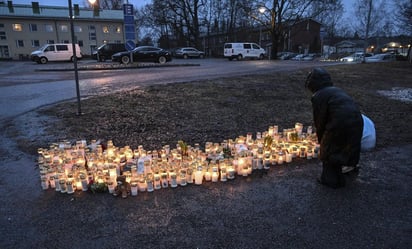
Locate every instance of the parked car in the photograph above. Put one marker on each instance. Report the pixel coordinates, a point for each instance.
(143, 53)
(298, 57)
(381, 58)
(286, 55)
(358, 56)
(55, 52)
(189, 52)
(243, 50)
(106, 51)
(309, 57)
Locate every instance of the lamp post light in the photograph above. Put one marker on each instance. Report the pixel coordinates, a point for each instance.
(262, 10)
(76, 73)
(93, 2)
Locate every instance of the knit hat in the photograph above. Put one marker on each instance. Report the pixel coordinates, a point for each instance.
(317, 79)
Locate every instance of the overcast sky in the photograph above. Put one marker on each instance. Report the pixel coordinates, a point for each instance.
(348, 3)
(65, 2)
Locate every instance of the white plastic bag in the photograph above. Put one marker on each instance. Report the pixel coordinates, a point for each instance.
(369, 134)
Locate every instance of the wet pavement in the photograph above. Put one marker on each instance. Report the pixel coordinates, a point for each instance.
(283, 207)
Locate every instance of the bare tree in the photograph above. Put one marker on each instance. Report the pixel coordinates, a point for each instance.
(404, 15)
(329, 13)
(282, 13)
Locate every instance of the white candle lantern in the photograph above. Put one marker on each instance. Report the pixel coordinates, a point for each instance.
(173, 179)
(280, 157)
(149, 182)
(188, 175)
(199, 176)
(266, 162)
(302, 153)
(288, 157)
(141, 184)
(309, 130)
(69, 187)
(183, 181)
(157, 182)
(223, 174)
(52, 182)
(57, 183)
(63, 188)
(299, 128)
(133, 188)
(245, 170)
(215, 174)
(111, 187)
(44, 182)
(230, 173)
(164, 180)
(84, 184)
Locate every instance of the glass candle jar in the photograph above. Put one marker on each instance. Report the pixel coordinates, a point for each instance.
(199, 176)
(63, 188)
(215, 174)
(164, 180)
(69, 186)
(133, 188)
(157, 182)
(223, 174)
(173, 180)
(111, 187)
(83, 180)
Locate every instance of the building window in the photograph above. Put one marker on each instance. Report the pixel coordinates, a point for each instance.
(80, 42)
(118, 41)
(77, 29)
(50, 41)
(92, 33)
(3, 35)
(35, 43)
(19, 43)
(48, 28)
(64, 28)
(33, 27)
(4, 52)
(1, 25)
(17, 27)
(65, 41)
(118, 29)
(105, 29)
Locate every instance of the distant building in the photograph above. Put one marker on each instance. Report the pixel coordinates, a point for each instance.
(300, 37)
(25, 27)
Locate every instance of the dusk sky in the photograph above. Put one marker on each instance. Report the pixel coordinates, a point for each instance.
(348, 3)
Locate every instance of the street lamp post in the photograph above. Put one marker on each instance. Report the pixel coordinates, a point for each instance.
(262, 10)
(93, 2)
(76, 73)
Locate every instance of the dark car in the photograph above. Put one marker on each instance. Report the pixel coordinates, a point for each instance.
(189, 52)
(143, 53)
(106, 51)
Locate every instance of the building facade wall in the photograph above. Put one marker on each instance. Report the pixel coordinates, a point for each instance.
(22, 34)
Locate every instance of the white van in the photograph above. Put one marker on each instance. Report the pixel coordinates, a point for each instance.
(241, 50)
(55, 52)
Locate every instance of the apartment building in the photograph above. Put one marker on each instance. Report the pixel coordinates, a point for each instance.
(26, 27)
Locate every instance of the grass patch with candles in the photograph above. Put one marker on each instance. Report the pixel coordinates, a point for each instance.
(216, 110)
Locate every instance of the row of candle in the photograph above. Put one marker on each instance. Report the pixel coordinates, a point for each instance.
(67, 168)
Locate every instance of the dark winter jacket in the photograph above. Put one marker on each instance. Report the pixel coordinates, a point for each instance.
(337, 119)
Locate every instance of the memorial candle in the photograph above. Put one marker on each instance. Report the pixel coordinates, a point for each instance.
(199, 176)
